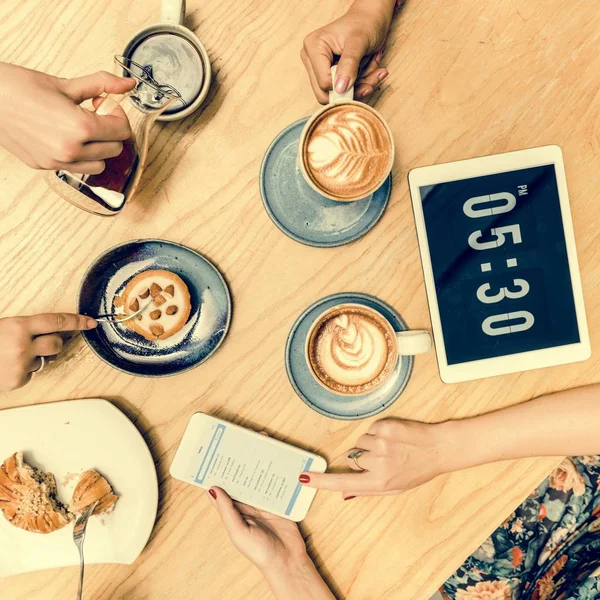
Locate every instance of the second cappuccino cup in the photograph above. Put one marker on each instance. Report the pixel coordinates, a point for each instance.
(352, 349)
(346, 149)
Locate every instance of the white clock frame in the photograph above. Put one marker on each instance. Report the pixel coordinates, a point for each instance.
(489, 165)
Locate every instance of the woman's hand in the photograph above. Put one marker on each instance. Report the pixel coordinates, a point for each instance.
(265, 539)
(275, 546)
(399, 455)
(358, 39)
(392, 457)
(42, 124)
(23, 340)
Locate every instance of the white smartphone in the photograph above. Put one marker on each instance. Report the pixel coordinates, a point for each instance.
(252, 468)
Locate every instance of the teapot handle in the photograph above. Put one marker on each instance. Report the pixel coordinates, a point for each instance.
(172, 11)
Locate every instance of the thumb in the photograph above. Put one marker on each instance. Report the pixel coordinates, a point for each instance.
(90, 86)
(347, 70)
(230, 515)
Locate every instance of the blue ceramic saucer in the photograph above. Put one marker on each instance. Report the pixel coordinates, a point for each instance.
(303, 214)
(328, 403)
(126, 350)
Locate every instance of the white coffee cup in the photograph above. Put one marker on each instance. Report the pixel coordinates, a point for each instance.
(401, 343)
(172, 14)
(337, 99)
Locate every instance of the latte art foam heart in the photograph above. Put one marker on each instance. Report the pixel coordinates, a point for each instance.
(352, 350)
(348, 151)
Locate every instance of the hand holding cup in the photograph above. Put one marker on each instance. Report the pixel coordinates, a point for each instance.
(357, 38)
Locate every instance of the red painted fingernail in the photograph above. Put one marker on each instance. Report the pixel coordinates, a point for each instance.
(382, 75)
(349, 497)
(304, 478)
(213, 493)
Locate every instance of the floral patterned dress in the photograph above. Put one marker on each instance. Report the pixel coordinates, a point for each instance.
(548, 549)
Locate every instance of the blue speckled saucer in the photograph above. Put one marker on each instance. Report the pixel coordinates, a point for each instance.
(321, 399)
(128, 351)
(303, 214)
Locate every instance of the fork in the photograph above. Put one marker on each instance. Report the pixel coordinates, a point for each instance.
(113, 317)
(79, 538)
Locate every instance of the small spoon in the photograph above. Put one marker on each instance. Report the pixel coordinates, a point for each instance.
(114, 317)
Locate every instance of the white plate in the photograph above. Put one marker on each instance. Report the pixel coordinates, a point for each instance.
(67, 438)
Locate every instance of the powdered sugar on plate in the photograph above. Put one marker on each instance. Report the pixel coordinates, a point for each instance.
(204, 324)
(124, 348)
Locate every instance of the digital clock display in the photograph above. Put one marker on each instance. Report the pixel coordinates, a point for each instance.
(500, 264)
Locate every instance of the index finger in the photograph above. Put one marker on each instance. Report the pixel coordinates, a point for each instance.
(322, 97)
(230, 515)
(320, 56)
(53, 322)
(102, 82)
(340, 482)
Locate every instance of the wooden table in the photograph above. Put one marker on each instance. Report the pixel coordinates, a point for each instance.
(468, 77)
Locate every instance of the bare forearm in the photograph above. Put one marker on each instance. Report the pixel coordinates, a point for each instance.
(298, 581)
(388, 5)
(561, 424)
(383, 8)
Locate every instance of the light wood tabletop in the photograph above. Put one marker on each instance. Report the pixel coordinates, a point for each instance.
(467, 78)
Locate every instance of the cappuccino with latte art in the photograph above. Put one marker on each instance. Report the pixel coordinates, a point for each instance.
(346, 151)
(352, 349)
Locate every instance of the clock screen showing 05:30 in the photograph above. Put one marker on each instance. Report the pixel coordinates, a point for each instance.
(500, 264)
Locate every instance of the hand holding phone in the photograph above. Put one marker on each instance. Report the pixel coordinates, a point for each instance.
(251, 468)
(265, 539)
(275, 546)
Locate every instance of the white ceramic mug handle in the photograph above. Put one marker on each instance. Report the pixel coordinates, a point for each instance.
(333, 95)
(413, 342)
(172, 11)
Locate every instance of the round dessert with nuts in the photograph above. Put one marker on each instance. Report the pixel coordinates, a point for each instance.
(169, 308)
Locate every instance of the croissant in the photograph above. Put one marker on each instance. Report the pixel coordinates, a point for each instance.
(28, 497)
(91, 487)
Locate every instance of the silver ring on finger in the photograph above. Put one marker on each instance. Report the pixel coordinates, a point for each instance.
(41, 367)
(355, 456)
